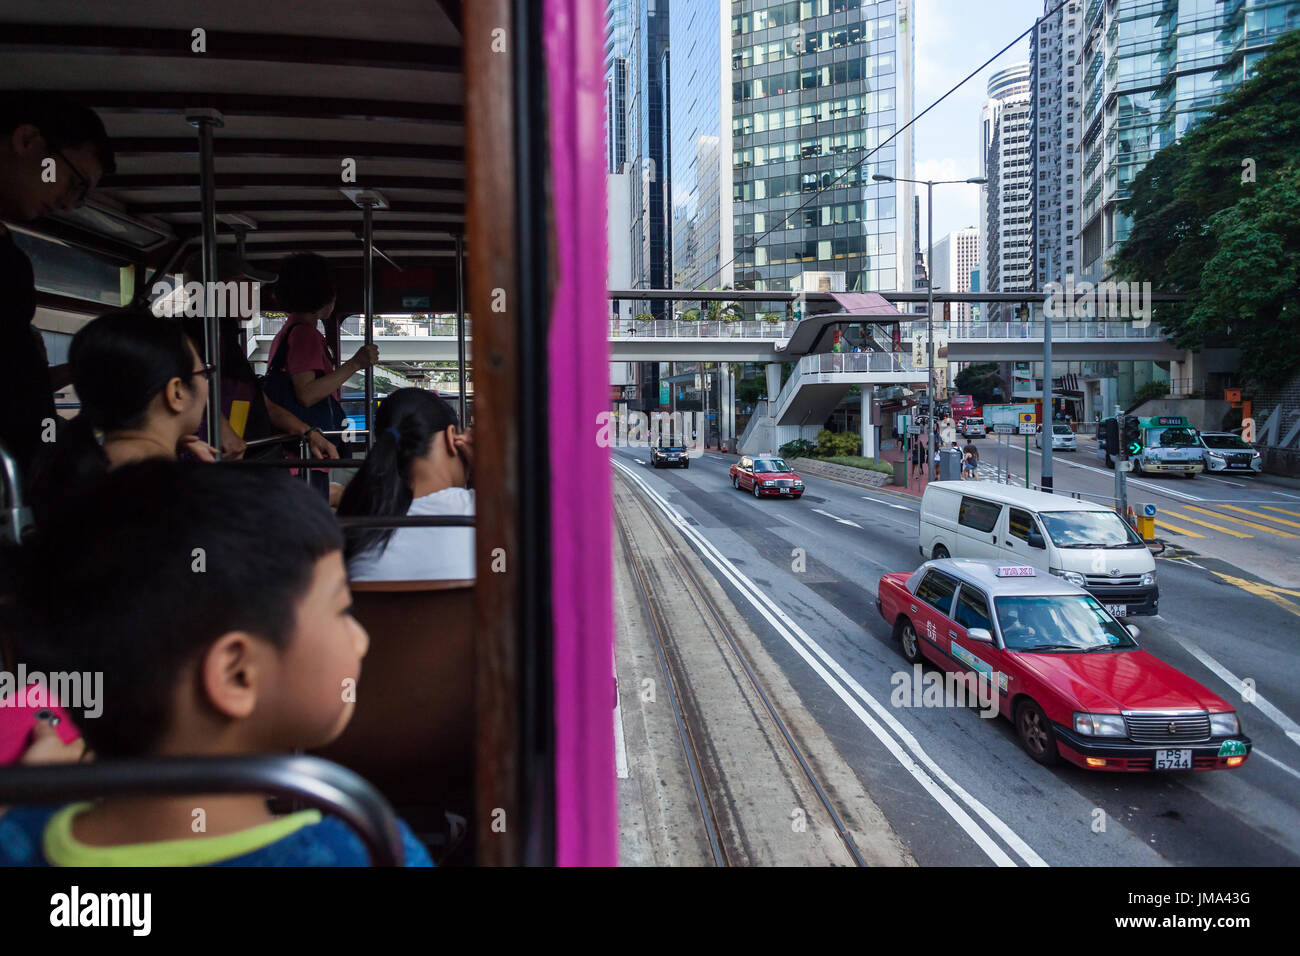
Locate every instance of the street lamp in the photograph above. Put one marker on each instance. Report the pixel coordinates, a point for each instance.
(929, 185)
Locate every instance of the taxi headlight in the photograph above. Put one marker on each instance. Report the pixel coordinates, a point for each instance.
(1100, 725)
(1148, 579)
(768, 484)
(1224, 725)
(1074, 577)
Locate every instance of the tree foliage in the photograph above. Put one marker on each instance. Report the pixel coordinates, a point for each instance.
(978, 381)
(1217, 216)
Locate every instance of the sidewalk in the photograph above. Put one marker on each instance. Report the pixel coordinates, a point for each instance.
(916, 483)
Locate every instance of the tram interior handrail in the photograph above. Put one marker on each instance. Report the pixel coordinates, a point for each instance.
(407, 521)
(318, 783)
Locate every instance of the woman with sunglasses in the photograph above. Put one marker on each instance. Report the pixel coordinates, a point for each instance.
(143, 391)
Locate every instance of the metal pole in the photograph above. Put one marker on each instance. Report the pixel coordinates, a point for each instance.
(1047, 399)
(368, 297)
(929, 307)
(205, 120)
(460, 323)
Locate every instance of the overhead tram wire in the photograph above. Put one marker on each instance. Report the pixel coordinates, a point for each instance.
(893, 136)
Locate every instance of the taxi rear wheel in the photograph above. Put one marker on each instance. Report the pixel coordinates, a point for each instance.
(1036, 735)
(908, 640)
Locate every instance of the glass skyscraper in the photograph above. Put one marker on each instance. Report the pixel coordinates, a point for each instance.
(1151, 69)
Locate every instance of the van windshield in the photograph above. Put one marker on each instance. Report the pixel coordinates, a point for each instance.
(1089, 529)
(1176, 437)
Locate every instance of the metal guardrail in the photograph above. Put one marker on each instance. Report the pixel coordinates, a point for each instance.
(1061, 331)
(703, 329)
(840, 362)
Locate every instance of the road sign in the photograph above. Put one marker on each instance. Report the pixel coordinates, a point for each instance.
(1148, 511)
(914, 429)
(1028, 428)
(1006, 414)
(1028, 418)
(1001, 429)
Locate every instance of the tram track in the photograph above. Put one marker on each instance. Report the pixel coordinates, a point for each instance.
(710, 793)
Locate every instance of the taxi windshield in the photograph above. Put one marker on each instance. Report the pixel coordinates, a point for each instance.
(1176, 437)
(1061, 622)
(769, 466)
(1089, 529)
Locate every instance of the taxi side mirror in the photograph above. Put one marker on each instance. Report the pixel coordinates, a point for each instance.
(1133, 631)
(1035, 539)
(980, 634)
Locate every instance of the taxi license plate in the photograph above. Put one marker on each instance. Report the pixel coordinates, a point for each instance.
(1117, 610)
(1173, 760)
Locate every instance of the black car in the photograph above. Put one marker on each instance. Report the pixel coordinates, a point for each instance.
(674, 455)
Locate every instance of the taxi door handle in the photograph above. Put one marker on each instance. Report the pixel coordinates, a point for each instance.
(913, 608)
(953, 635)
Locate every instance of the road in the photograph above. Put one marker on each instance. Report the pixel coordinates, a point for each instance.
(958, 789)
(1249, 522)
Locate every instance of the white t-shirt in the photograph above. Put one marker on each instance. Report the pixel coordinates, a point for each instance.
(424, 554)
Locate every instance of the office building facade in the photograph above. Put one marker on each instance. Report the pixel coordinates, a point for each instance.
(1007, 261)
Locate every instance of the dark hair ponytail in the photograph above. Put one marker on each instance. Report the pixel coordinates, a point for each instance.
(119, 362)
(406, 424)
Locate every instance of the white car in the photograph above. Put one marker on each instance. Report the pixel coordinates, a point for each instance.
(972, 428)
(1224, 451)
(1062, 438)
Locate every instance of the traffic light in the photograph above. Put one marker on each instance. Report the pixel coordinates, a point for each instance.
(1110, 436)
(1132, 436)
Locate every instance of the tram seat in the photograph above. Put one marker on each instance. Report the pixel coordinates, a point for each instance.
(412, 732)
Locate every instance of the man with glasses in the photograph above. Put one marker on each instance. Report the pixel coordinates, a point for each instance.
(52, 154)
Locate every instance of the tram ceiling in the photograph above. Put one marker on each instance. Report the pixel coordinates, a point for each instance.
(377, 87)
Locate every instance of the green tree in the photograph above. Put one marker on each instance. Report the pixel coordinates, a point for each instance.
(1217, 216)
(978, 381)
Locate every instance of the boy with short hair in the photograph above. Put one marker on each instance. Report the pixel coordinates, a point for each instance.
(215, 604)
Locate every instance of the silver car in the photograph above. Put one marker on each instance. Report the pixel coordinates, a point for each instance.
(1224, 451)
(1062, 438)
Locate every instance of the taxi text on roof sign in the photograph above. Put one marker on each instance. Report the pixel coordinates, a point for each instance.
(1015, 571)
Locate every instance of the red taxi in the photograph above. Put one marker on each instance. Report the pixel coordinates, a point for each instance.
(1070, 677)
(766, 475)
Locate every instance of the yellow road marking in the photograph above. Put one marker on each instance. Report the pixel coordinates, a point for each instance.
(1248, 524)
(1268, 592)
(1283, 510)
(1177, 530)
(1256, 514)
(1206, 524)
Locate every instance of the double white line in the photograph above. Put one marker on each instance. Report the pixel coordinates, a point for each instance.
(904, 747)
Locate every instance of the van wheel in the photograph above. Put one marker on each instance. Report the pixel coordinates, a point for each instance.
(940, 552)
(1189, 474)
(910, 643)
(1036, 734)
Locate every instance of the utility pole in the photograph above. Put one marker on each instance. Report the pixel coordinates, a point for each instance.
(1121, 459)
(1046, 480)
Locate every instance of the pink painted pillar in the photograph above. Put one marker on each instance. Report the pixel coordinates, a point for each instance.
(581, 493)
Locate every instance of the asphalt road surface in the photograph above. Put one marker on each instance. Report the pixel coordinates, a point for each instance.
(957, 788)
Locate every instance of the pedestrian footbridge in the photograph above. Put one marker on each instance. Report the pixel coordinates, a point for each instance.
(1094, 340)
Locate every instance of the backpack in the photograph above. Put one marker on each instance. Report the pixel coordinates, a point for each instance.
(327, 414)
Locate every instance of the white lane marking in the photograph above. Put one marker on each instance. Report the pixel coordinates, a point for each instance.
(1131, 480)
(1289, 726)
(1273, 760)
(1285, 495)
(833, 518)
(1192, 563)
(806, 648)
(638, 461)
(1223, 481)
(889, 503)
(719, 458)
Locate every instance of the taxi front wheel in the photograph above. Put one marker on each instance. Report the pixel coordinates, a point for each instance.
(1036, 734)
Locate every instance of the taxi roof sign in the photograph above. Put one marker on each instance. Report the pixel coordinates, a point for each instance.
(1015, 571)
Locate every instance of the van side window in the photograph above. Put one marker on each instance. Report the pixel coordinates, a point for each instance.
(980, 515)
(1020, 523)
(937, 590)
(972, 610)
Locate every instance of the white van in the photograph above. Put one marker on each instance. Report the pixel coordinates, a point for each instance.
(1081, 541)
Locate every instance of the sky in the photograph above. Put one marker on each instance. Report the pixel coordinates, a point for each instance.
(952, 38)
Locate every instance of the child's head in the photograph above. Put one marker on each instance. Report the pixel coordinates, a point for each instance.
(212, 600)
